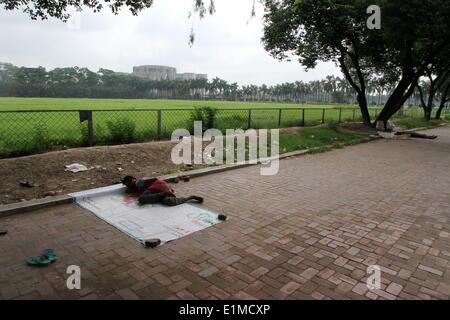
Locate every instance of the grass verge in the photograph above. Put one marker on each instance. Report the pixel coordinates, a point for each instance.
(412, 123)
(319, 139)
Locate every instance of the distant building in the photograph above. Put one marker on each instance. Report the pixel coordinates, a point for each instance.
(155, 72)
(191, 76)
(164, 73)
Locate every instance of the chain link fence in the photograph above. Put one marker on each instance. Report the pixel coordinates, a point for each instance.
(28, 132)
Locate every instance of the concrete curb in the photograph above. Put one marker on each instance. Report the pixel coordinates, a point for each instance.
(27, 206)
(222, 168)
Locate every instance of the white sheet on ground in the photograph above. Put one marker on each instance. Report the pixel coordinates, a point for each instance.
(142, 222)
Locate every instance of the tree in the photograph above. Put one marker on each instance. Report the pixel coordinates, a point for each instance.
(316, 31)
(437, 76)
(414, 35)
(38, 9)
(444, 92)
(7, 79)
(61, 9)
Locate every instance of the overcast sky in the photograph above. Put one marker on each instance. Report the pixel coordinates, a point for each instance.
(227, 45)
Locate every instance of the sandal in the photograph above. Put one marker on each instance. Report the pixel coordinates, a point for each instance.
(47, 257)
(38, 261)
(50, 255)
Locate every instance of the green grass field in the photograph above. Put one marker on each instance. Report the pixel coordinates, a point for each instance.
(30, 132)
(92, 104)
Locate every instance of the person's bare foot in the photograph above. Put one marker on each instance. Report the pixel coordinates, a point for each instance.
(197, 198)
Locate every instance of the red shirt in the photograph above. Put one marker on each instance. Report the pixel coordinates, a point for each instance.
(160, 186)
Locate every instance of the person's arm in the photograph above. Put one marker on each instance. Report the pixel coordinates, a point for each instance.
(143, 184)
(150, 180)
(133, 191)
(173, 180)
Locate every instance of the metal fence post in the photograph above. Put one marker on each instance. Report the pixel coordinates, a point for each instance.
(303, 117)
(340, 115)
(249, 118)
(279, 118)
(90, 129)
(158, 132)
(323, 116)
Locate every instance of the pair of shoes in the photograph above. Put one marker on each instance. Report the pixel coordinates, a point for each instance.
(47, 257)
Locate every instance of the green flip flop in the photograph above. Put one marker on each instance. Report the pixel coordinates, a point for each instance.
(38, 261)
(47, 257)
(50, 255)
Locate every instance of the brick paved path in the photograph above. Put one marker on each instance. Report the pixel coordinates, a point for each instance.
(308, 233)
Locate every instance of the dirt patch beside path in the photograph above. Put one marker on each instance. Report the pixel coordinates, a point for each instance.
(47, 173)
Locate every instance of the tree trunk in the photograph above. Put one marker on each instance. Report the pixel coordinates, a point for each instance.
(401, 93)
(361, 90)
(429, 107)
(362, 101)
(439, 111)
(444, 100)
(422, 101)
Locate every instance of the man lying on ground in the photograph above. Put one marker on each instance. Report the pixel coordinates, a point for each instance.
(155, 190)
(417, 135)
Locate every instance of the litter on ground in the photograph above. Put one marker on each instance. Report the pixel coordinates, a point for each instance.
(26, 183)
(75, 167)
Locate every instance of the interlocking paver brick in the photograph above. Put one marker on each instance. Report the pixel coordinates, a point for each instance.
(309, 273)
(431, 270)
(360, 288)
(208, 271)
(186, 295)
(326, 273)
(295, 260)
(259, 272)
(180, 285)
(241, 295)
(127, 294)
(394, 288)
(290, 287)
